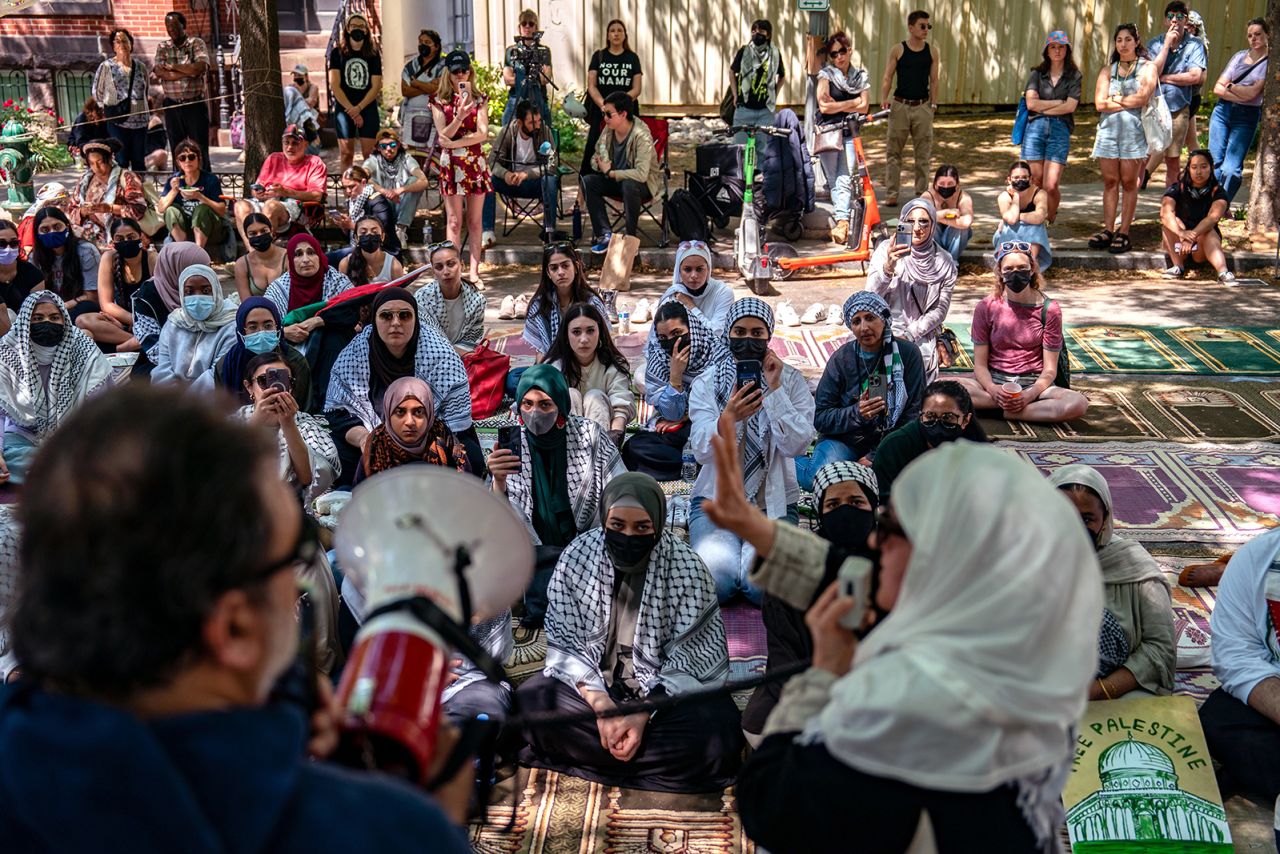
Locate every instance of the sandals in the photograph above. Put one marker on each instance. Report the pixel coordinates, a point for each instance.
(1120, 244)
(1101, 240)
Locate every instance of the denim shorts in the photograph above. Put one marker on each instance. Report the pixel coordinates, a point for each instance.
(347, 128)
(1046, 138)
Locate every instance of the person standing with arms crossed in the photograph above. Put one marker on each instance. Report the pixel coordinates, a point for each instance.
(915, 62)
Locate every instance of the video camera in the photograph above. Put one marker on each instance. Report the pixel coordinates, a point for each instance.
(529, 52)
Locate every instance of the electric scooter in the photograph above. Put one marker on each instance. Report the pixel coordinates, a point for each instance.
(749, 249)
(864, 213)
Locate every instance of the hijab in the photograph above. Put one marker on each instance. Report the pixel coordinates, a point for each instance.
(173, 260)
(978, 676)
(549, 459)
(224, 311)
(305, 290)
(930, 262)
(641, 491)
(385, 367)
(400, 390)
(693, 247)
(1123, 561)
(892, 359)
(231, 374)
(437, 446)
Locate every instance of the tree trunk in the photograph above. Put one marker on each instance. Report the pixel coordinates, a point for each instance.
(263, 90)
(1264, 213)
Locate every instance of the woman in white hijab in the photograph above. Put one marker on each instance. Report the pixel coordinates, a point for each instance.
(961, 704)
(1136, 592)
(199, 331)
(48, 367)
(916, 280)
(693, 284)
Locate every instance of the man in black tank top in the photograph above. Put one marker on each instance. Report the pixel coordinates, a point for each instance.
(915, 63)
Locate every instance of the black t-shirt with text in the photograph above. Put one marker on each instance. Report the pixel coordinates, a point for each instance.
(356, 73)
(614, 72)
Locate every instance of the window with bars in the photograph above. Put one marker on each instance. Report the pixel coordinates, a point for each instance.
(13, 85)
(72, 88)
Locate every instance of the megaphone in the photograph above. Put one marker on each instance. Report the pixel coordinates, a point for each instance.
(431, 549)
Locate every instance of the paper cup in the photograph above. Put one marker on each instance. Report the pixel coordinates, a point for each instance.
(1012, 389)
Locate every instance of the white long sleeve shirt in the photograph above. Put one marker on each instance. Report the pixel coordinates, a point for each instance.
(1246, 645)
(789, 410)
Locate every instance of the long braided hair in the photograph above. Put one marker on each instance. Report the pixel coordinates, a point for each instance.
(119, 282)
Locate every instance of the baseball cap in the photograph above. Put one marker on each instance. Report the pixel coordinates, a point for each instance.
(294, 131)
(457, 60)
(300, 68)
(1057, 37)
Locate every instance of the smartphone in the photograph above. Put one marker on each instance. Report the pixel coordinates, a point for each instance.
(750, 371)
(334, 213)
(278, 379)
(903, 237)
(509, 438)
(462, 87)
(877, 387)
(256, 186)
(854, 579)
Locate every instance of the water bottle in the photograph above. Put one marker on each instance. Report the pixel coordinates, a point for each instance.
(688, 468)
(426, 233)
(624, 323)
(577, 221)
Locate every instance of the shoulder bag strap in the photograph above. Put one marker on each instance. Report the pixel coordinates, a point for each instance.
(1243, 74)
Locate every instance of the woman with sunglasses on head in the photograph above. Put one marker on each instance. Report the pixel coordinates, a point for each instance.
(598, 375)
(68, 264)
(450, 301)
(18, 277)
(397, 177)
(364, 200)
(1017, 342)
(263, 263)
(694, 286)
(355, 82)
(370, 260)
(1053, 94)
(461, 116)
(960, 694)
(121, 272)
(916, 279)
(308, 457)
(1024, 208)
(192, 206)
(842, 89)
(945, 416)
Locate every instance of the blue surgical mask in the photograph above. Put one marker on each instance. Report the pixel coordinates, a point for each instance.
(54, 239)
(262, 342)
(8, 256)
(198, 306)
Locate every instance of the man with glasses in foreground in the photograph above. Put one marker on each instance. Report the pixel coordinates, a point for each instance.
(156, 610)
(286, 181)
(915, 100)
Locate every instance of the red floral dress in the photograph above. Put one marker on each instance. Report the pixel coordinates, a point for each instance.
(463, 171)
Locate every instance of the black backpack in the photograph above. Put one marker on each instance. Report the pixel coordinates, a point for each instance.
(685, 217)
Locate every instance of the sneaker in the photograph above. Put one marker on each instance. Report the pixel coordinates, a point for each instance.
(507, 310)
(787, 314)
(601, 246)
(835, 314)
(610, 298)
(522, 306)
(641, 314)
(1174, 272)
(402, 232)
(488, 239)
(840, 232)
(1227, 277)
(815, 313)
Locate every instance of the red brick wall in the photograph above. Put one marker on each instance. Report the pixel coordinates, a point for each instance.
(143, 18)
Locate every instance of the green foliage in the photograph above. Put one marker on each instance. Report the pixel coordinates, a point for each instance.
(489, 82)
(573, 132)
(48, 153)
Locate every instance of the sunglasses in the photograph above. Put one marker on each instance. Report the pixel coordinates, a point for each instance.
(388, 145)
(11, 244)
(566, 247)
(691, 244)
(303, 554)
(918, 223)
(608, 115)
(404, 316)
(837, 53)
(925, 26)
(1014, 246)
(1176, 16)
(443, 244)
(887, 525)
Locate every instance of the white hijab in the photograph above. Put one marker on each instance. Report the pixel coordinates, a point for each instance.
(979, 675)
(716, 296)
(224, 310)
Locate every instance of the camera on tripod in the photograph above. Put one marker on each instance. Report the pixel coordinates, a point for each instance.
(529, 52)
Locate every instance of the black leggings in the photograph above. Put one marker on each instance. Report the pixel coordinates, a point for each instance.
(800, 798)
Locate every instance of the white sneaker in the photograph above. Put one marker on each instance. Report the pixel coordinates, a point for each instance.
(522, 305)
(507, 311)
(815, 313)
(488, 239)
(787, 314)
(402, 232)
(641, 314)
(835, 314)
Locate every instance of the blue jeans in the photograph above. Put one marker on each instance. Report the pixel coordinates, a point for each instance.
(747, 116)
(836, 167)
(407, 208)
(1231, 131)
(728, 558)
(18, 456)
(133, 146)
(826, 451)
(954, 240)
(1047, 138)
(546, 187)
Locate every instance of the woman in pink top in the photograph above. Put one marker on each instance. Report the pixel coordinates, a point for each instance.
(1017, 338)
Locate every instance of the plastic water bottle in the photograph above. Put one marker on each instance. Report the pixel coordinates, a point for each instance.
(624, 323)
(688, 468)
(577, 221)
(426, 234)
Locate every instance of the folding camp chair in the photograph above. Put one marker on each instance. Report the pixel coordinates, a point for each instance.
(516, 210)
(660, 130)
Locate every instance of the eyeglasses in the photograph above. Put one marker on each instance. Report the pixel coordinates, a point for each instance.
(404, 316)
(835, 54)
(887, 525)
(948, 418)
(187, 158)
(303, 554)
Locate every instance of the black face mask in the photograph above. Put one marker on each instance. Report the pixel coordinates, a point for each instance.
(260, 242)
(424, 50)
(46, 333)
(299, 81)
(669, 344)
(938, 432)
(848, 527)
(370, 242)
(1017, 280)
(357, 35)
(697, 292)
(749, 348)
(759, 39)
(1021, 184)
(128, 248)
(629, 552)
(945, 192)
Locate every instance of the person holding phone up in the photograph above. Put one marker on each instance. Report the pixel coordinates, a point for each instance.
(773, 410)
(871, 386)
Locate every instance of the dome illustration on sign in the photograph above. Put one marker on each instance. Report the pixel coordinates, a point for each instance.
(1140, 802)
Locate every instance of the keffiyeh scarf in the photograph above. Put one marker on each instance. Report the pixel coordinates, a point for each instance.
(355, 206)
(592, 461)
(850, 82)
(334, 283)
(755, 432)
(758, 73)
(892, 359)
(708, 351)
(78, 370)
(431, 309)
(842, 471)
(679, 641)
(322, 452)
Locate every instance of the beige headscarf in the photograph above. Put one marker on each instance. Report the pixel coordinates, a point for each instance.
(1123, 561)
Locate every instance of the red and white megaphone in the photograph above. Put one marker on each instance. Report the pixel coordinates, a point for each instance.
(431, 549)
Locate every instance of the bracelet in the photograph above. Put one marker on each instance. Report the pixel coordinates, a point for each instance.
(1103, 686)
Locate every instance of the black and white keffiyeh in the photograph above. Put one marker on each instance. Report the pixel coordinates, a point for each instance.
(708, 351)
(842, 471)
(334, 284)
(321, 451)
(542, 321)
(78, 370)
(431, 309)
(593, 460)
(850, 82)
(679, 641)
(355, 205)
(755, 430)
(435, 362)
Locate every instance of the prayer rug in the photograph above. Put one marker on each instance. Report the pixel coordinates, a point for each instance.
(1205, 493)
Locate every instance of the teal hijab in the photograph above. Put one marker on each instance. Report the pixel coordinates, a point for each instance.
(549, 460)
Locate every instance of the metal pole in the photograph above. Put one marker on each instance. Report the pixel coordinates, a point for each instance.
(220, 78)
